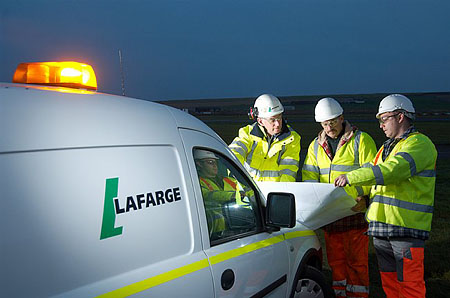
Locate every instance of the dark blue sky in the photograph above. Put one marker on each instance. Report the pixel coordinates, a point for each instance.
(215, 49)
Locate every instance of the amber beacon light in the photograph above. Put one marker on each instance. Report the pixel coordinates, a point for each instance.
(62, 74)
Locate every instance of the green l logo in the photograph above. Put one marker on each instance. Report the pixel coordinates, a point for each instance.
(109, 213)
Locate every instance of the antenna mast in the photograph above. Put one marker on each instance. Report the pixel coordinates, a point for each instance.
(121, 72)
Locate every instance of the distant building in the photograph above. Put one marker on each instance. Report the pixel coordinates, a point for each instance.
(207, 110)
(351, 100)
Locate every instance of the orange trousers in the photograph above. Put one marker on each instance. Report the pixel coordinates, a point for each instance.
(347, 254)
(400, 261)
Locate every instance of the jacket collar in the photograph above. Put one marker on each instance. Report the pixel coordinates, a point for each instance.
(349, 130)
(388, 145)
(260, 132)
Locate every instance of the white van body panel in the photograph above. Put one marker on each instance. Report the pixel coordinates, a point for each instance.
(57, 217)
(33, 119)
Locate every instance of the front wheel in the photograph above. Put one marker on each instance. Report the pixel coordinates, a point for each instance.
(312, 283)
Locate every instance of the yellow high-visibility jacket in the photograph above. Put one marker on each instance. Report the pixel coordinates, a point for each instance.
(213, 197)
(214, 193)
(402, 192)
(355, 150)
(280, 162)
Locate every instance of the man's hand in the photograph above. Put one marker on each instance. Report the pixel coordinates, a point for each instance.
(360, 205)
(341, 181)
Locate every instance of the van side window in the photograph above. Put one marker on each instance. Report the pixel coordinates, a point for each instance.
(229, 200)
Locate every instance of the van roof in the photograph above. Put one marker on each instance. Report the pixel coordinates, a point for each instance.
(40, 118)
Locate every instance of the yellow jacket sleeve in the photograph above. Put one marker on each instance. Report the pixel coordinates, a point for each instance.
(310, 169)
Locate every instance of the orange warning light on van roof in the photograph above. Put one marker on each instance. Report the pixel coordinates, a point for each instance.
(63, 74)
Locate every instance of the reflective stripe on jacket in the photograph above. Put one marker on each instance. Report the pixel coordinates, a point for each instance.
(355, 150)
(231, 191)
(213, 192)
(403, 184)
(280, 162)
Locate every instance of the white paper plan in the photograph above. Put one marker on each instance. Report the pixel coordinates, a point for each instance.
(317, 204)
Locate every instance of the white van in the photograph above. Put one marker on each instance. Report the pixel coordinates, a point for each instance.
(101, 197)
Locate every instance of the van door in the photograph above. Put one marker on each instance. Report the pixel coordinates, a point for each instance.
(245, 259)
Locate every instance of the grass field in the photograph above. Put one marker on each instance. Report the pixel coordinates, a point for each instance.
(437, 258)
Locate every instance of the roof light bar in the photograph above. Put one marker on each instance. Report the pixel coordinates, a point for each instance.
(63, 74)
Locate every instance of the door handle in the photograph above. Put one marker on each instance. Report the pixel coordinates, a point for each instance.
(227, 279)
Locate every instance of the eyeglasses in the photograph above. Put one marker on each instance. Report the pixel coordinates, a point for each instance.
(272, 120)
(331, 122)
(210, 161)
(383, 119)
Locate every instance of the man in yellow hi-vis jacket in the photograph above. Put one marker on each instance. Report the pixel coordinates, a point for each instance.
(402, 177)
(340, 148)
(269, 149)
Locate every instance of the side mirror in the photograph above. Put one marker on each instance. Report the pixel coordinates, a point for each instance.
(280, 210)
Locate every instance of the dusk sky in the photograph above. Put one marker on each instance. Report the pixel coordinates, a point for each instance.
(218, 49)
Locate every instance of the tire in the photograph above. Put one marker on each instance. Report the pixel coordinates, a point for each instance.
(312, 283)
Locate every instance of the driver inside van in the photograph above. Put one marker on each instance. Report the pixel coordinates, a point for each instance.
(217, 190)
(214, 187)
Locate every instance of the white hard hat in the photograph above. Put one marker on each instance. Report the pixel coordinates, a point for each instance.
(395, 102)
(327, 108)
(268, 105)
(203, 154)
